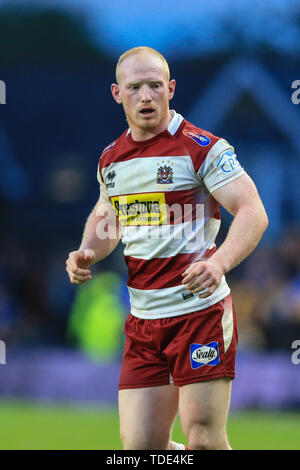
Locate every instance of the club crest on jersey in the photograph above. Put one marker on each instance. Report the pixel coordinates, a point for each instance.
(165, 175)
(201, 139)
(204, 354)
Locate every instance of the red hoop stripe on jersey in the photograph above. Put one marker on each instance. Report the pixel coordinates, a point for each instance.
(181, 206)
(193, 196)
(160, 273)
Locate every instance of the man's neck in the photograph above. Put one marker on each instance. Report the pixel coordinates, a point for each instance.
(140, 135)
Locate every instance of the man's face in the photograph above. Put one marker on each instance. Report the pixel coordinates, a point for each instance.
(144, 91)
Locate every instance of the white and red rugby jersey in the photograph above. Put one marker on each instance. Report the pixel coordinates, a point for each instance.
(161, 191)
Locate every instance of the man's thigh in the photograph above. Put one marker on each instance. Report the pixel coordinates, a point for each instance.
(147, 416)
(203, 409)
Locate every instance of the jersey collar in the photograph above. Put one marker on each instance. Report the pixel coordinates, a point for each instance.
(175, 122)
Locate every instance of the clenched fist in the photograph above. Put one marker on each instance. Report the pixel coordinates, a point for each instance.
(77, 265)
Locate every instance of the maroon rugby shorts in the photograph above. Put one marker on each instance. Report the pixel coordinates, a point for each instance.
(194, 347)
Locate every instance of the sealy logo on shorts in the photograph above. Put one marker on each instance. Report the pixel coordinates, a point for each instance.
(204, 354)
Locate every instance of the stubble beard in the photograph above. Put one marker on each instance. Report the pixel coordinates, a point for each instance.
(141, 124)
(145, 125)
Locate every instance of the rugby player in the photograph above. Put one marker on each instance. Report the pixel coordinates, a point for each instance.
(181, 334)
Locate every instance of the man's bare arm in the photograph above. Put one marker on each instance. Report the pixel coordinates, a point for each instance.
(100, 237)
(241, 199)
(249, 223)
(102, 231)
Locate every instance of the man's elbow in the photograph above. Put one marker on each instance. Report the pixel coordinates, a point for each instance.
(264, 222)
(259, 219)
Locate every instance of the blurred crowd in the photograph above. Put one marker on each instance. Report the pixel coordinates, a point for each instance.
(266, 293)
(37, 299)
(35, 295)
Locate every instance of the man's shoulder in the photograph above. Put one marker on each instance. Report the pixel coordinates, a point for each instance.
(109, 152)
(198, 141)
(113, 146)
(201, 137)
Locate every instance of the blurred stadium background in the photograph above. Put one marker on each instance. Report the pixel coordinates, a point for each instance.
(234, 63)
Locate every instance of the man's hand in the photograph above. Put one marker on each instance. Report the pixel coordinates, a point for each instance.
(77, 265)
(202, 276)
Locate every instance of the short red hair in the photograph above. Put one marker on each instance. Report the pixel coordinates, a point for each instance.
(142, 50)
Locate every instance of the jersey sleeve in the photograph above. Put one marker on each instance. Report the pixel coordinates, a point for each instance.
(220, 166)
(104, 198)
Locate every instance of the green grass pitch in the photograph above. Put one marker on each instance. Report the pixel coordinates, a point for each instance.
(35, 426)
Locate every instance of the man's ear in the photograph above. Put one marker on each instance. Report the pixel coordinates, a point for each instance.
(115, 91)
(172, 85)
